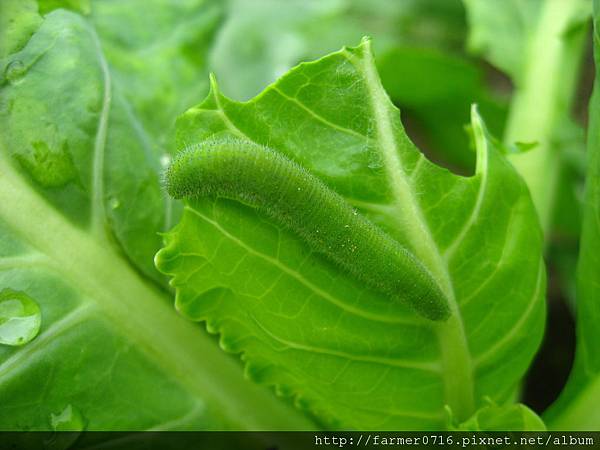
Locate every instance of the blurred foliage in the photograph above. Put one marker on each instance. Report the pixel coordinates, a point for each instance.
(419, 47)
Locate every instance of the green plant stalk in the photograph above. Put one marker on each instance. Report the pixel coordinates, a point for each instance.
(578, 406)
(582, 412)
(544, 95)
(458, 382)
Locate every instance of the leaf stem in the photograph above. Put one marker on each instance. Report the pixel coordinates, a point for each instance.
(577, 406)
(544, 94)
(458, 368)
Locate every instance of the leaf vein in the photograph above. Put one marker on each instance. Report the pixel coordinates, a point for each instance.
(318, 116)
(388, 362)
(300, 278)
(482, 358)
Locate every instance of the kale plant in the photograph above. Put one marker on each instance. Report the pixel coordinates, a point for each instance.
(360, 270)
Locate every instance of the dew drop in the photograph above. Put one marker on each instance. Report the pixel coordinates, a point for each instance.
(49, 164)
(165, 160)
(15, 71)
(114, 203)
(69, 419)
(20, 318)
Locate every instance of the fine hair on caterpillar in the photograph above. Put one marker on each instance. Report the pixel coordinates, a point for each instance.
(286, 192)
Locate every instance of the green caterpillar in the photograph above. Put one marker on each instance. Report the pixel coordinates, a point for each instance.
(286, 192)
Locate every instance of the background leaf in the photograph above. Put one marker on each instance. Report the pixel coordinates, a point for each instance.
(261, 39)
(501, 29)
(415, 39)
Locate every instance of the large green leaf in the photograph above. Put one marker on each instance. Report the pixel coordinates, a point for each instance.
(80, 208)
(113, 52)
(577, 408)
(342, 351)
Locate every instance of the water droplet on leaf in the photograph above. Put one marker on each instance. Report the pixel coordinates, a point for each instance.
(69, 419)
(15, 71)
(114, 203)
(165, 160)
(49, 165)
(20, 318)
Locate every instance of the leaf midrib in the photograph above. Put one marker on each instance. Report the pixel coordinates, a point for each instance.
(98, 213)
(457, 361)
